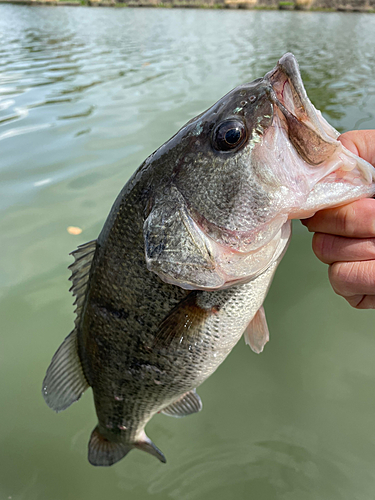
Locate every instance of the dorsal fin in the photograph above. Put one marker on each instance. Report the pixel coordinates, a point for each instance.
(80, 268)
(65, 380)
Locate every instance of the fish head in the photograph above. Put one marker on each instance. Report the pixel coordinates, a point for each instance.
(235, 175)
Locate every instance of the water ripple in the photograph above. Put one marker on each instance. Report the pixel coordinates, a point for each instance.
(23, 130)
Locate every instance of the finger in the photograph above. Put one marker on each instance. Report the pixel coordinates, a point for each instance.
(330, 249)
(356, 220)
(362, 301)
(361, 143)
(353, 278)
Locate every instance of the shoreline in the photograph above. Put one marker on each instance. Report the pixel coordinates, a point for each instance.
(362, 6)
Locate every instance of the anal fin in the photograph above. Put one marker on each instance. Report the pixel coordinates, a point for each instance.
(257, 334)
(187, 404)
(65, 381)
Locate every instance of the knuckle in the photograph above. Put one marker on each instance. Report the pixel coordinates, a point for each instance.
(344, 221)
(369, 248)
(366, 302)
(358, 219)
(353, 278)
(355, 301)
(322, 245)
(343, 276)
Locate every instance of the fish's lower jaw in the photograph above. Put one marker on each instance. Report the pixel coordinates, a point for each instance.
(103, 452)
(347, 178)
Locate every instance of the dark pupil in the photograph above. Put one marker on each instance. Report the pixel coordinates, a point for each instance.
(229, 135)
(233, 136)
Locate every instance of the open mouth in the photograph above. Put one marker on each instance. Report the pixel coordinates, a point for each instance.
(315, 141)
(310, 134)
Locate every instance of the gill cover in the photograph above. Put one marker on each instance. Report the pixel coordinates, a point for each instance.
(176, 249)
(180, 253)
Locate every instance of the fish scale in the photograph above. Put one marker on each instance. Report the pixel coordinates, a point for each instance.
(186, 364)
(187, 254)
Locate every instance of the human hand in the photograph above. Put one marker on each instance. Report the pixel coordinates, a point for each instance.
(345, 236)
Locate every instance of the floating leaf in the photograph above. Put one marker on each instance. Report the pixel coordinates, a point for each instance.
(74, 230)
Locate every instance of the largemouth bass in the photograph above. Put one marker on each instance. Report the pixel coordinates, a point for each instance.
(186, 256)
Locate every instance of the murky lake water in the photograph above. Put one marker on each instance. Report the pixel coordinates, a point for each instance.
(85, 96)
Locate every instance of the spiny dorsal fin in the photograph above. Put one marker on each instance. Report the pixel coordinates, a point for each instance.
(65, 381)
(187, 404)
(80, 268)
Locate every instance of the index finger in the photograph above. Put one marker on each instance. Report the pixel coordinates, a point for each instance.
(356, 220)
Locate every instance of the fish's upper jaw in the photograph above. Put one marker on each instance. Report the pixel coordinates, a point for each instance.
(289, 94)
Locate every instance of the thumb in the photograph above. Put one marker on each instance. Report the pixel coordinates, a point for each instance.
(361, 143)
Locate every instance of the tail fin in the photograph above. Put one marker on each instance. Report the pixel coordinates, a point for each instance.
(145, 444)
(104, 453)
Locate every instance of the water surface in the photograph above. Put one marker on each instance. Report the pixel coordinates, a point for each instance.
(85, 96)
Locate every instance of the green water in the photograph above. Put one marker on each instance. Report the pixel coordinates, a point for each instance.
(85, 96)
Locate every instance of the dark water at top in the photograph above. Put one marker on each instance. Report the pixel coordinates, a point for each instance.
(85, 96)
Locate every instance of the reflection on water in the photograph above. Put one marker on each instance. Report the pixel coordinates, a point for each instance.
(85, 96)
(268, 469)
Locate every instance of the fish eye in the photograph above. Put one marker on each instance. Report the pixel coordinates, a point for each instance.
(229, 135)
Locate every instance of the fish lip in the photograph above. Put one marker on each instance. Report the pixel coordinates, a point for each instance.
(288, 93)
(287, 68)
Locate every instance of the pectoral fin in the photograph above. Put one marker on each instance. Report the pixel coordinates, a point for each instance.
(187, 404)
(181, 324)
(257, 333)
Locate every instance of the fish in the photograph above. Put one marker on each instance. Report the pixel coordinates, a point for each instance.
(184, 261)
